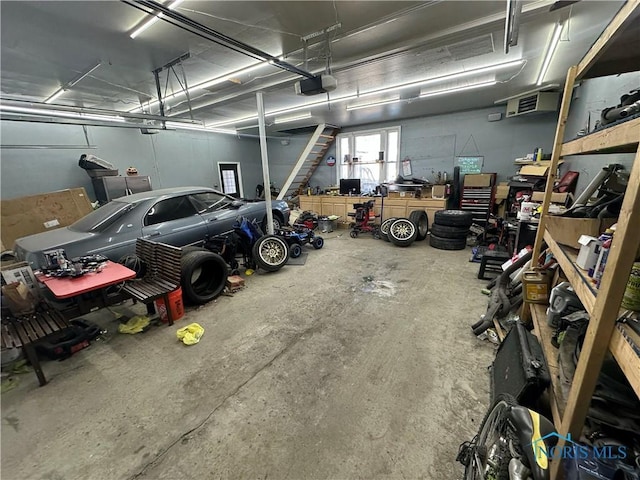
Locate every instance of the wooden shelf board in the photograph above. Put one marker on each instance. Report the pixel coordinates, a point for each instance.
(578, 278)
(621, 138)
(626, 357)
(544, 333)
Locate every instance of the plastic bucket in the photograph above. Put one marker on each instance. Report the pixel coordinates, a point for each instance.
(175, 305)
(527, 210)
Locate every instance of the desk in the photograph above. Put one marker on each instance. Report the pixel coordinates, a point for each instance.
(68, 287)
(89, 291)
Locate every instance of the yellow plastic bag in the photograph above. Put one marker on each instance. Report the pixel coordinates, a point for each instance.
(134, 325)
(191, 334)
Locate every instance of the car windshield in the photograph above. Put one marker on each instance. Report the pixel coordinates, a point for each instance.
(210, 201)
(101, 218)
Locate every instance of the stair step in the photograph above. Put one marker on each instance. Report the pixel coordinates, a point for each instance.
(326, 136)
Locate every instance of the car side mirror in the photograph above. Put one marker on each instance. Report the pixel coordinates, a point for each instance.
(237, 204)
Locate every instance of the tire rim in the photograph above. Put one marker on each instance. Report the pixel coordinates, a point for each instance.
(402, 230)
(384, 228)
(273, 252)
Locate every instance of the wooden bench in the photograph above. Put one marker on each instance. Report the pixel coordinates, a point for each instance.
(162, 273)
(25, 331)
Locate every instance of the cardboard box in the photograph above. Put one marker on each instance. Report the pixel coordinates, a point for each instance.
(502, 192)
(438, 191)
(478, 180)
(20, 272)
(534, 170)
(567, 231)
(403, 194)
(39, 213)
(589, 251)
(555, 197)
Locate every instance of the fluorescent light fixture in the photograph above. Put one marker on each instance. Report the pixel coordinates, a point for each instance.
(153, 20)
(444, 78)
(199, 128)
(62, 114)
(457, 89)
(551, 49)
(55, 96)
(393, 88)
(203, 85)
(292, 118)
(374, 104)
(58, 93)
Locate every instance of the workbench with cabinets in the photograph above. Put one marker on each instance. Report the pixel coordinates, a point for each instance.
(393, 207)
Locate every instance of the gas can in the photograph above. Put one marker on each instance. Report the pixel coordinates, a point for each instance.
(535, 284)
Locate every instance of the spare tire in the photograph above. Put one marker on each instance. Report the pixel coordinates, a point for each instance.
(402, 232)
(203, 276)
(384, 228)
(447, 243)
(453, 218)
(449, 232)
(421, 220)
(270, 252)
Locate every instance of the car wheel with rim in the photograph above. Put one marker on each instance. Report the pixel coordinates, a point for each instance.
(384, 228)
(270, 252)
(402, 232)
(277, 223)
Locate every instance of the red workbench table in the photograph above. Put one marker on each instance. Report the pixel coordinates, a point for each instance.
(67, 287)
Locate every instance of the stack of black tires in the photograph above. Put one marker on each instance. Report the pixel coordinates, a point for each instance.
(450, 229)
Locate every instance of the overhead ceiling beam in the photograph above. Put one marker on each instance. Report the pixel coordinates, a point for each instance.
(434, 39)
(185, 23)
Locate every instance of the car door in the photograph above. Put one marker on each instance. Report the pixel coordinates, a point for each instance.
(174, 221)
(218, 211)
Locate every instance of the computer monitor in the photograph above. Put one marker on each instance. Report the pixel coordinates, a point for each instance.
(350, 186)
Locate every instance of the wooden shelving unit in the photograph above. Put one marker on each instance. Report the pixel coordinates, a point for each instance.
(544, 332)
(610, 54)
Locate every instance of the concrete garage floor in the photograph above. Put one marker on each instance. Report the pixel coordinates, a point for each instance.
(359, 364)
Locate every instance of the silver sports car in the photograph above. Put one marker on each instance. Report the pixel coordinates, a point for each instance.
(177, 216)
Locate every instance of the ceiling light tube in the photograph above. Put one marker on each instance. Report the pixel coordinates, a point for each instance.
(292, 118)
(443, 78)
(61, 113)
(373, 104)
(456, 89)
(199, 128)
(58, 93)
(551, 49)
(203, 85)
(153, 20)
(55, 96)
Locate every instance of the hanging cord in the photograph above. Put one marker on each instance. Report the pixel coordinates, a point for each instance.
(467, 142)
